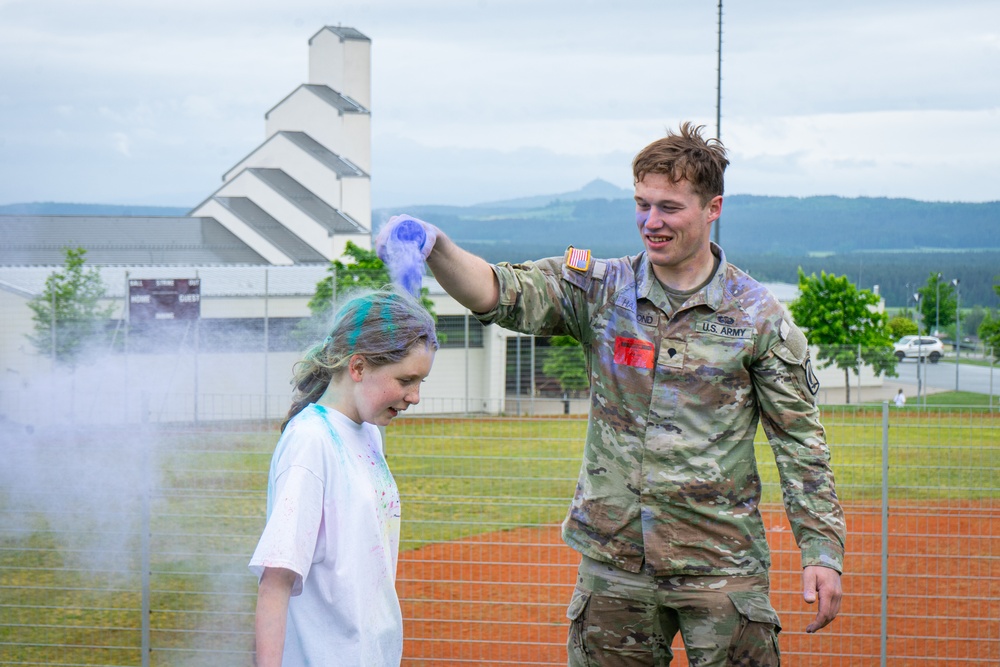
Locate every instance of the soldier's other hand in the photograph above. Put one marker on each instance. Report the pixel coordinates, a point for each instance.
(823, 584)
(382, 240)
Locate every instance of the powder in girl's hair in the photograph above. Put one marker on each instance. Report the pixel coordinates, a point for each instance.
(359, 319)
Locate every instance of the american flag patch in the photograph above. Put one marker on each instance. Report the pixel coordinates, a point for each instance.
(578, 260)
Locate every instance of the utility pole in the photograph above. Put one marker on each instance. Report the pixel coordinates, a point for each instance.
(958, 331)
(937, 307)
(718, 103)
(920, 351)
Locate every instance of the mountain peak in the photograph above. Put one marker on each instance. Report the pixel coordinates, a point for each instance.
(601, 189)
(595, 189)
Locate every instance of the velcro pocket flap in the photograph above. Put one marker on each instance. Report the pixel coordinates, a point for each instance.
(577, 605)
(756, 607)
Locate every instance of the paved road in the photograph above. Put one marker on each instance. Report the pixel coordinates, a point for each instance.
(942, 376)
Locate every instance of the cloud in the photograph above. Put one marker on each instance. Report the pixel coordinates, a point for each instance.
(122, 144)
(853, 97)
(928, 155)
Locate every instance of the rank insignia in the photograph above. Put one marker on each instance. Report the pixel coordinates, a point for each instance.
(578, 260)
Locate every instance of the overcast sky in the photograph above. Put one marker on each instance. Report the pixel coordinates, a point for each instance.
(151, 101)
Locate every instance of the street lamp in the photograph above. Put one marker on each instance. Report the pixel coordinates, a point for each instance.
(958, 331)
(937, 306)
(920, 346)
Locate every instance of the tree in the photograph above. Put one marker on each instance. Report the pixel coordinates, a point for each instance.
(68, 316)
(937, 314)
(902, 326)
(565, 362)
(989, 330)
(973, 318)
(989, 333)
(839, 319)
(364, 271)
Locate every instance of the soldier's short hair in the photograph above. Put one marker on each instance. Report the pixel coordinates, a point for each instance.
(685, 155)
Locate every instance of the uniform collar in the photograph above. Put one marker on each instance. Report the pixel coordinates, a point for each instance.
(648, 287)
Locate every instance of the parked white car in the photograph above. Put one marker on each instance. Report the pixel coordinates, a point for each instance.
(915, 347)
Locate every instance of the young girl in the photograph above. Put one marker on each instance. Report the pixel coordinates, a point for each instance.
(327, 557)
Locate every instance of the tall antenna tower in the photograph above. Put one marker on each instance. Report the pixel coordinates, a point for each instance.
(718, 103)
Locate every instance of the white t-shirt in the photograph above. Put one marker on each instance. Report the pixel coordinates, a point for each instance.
(333, 518)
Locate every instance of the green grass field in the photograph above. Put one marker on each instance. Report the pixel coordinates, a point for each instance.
(457, 477)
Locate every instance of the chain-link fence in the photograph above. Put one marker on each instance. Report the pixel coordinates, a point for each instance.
(129, 545)
(132, 494)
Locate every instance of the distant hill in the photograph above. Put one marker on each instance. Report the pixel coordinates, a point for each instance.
(56, 208)
(596, 189)
(787, 226)
(893, 243)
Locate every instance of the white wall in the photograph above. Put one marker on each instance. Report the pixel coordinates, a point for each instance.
(246, 233)
(347, 135)
(245, 184)
(280, 153)
(344, 65)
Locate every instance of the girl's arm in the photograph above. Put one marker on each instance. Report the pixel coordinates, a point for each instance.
(272, 613)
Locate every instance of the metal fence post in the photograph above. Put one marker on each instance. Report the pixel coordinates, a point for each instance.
(197, 346)
(466, 323)
(144, 537)
(884, 634)
(267, 341)
(126, 318)
(53, 332)
(860, 361)
(517, 373)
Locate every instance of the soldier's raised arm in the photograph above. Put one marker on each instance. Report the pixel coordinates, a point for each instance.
(467, 278)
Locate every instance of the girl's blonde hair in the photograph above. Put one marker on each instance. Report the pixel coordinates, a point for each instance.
(383, 327)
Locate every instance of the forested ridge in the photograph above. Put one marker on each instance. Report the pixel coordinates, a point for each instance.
(892, 243)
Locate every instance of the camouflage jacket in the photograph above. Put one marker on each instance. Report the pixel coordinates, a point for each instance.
(669, 482)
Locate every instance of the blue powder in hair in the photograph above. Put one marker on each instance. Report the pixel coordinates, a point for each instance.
(359, 318)
(387, 322)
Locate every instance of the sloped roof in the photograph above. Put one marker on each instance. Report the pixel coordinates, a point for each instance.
(276, 233)
(338, 164)
(216, 281)
(342, 103)
(33, 240)
(335, 222)
(343, 32)
(343, 167)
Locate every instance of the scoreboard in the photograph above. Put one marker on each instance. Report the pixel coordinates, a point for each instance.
(164, 299)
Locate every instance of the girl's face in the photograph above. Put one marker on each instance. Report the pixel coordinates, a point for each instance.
(382, 392)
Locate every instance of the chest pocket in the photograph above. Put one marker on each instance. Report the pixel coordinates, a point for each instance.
(717, 345)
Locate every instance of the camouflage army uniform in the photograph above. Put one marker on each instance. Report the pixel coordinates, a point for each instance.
(669, 484)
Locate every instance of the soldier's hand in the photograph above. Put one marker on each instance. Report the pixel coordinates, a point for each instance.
(822, 583)
(430, 233)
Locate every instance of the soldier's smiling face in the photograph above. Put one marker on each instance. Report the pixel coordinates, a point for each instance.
(675, 227)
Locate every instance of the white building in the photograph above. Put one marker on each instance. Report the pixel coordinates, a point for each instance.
(258, 245)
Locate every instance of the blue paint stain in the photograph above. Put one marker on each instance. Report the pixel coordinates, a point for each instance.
(641, 217)
(404, 254)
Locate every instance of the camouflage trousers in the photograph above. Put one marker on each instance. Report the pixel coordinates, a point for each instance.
(623, 619)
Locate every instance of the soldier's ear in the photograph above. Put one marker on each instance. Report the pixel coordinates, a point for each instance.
(715, 208)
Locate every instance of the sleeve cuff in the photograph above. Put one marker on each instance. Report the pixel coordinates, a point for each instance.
(824, 554)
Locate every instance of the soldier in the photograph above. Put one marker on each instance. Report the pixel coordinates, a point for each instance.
(686, 353)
